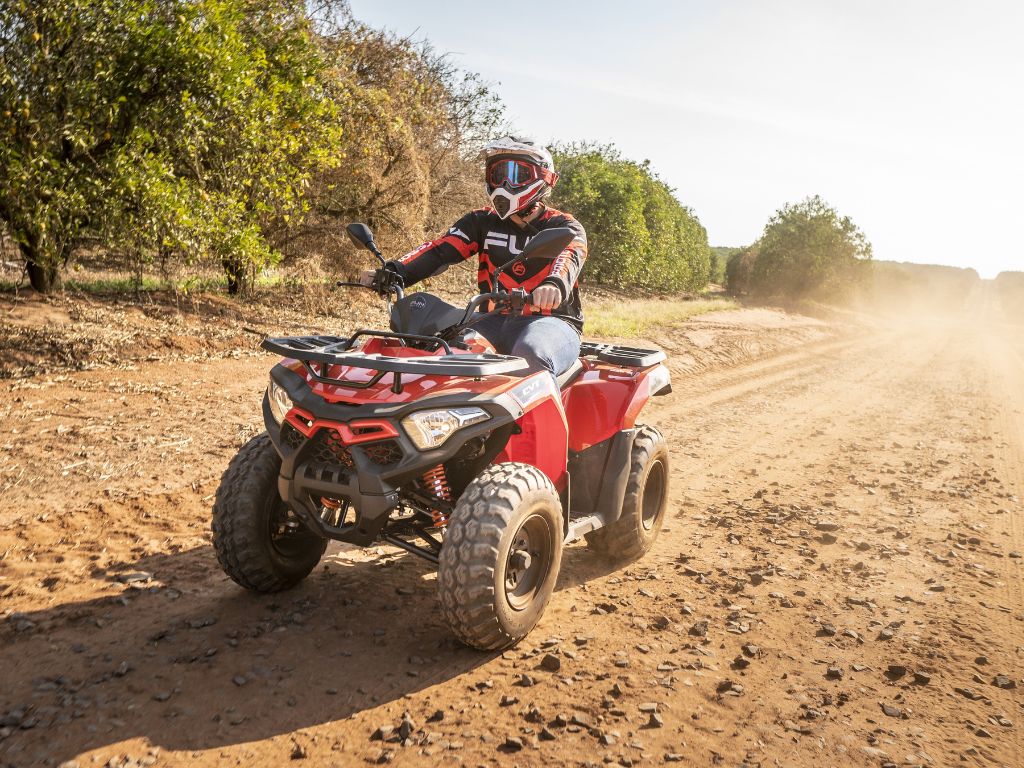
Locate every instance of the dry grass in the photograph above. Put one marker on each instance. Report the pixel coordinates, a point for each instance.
(608, 316)
(102, 319)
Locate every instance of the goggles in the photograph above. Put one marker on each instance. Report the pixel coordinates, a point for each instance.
(517, 173)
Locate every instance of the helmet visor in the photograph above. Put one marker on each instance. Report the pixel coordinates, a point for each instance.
(511, 173)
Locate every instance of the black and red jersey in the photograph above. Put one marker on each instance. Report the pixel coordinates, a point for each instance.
(497, 241)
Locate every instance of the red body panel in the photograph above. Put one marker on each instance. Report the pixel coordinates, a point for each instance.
(603, 400)
(352, 433)
(544, 435)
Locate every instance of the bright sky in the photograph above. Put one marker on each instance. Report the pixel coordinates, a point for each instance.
(907, 115)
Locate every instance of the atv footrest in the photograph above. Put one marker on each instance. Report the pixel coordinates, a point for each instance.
(629, 357)
(582, 525)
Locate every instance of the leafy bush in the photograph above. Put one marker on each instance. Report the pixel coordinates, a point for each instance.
(806, 249)
(739, 269)
(639, 234)
(720, 256)
(412, 127)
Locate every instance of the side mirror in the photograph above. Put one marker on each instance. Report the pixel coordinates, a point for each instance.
(544, 245)
(361, 235)
(548, 244)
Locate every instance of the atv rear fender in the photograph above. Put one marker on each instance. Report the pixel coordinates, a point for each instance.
(606, 399)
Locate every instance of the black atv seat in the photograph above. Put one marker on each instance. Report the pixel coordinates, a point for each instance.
(424, 314)
(569, 376)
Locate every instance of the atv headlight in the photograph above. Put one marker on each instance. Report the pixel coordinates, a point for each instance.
(280, 403)
(429, 429)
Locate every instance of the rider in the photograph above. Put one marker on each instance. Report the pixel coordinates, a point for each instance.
(519, 175)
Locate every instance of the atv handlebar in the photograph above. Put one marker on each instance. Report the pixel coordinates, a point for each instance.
(517, 299)
(381, 288)
(387, 282)
(547, 244)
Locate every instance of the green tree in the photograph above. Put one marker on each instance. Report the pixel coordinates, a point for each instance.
(267, 117)
(809, 248)
(739, 269)
(74, 78)
(186, 126)
(720, 256)
(639, 233)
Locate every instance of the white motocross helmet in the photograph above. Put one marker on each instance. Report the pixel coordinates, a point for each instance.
(518, 172)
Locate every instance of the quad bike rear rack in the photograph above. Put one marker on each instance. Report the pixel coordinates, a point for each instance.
(628, 357)
(318, 353)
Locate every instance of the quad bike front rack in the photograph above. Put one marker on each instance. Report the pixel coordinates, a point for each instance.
(318, 353)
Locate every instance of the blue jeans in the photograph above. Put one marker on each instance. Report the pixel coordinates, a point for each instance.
(546, 343)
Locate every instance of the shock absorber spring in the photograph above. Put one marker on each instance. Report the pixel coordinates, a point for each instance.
(334, 510)
(436, 482)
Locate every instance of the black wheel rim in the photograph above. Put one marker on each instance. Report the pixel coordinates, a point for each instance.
(288, 536)
(528, 562)
(654, 495)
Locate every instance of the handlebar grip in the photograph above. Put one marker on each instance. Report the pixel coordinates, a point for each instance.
(530, 309)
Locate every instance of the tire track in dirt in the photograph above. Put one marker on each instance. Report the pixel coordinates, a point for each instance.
(789, 384)
(700, 392)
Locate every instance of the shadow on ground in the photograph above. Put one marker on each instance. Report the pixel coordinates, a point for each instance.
(189, 661)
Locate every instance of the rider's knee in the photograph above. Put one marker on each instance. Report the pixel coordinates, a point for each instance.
(536, 361)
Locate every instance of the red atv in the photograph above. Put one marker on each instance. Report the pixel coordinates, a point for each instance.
(424, 438)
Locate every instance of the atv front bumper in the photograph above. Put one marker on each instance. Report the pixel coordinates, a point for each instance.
(323, 458)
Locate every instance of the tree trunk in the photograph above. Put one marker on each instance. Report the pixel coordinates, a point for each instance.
(236, 274)
(44, 277)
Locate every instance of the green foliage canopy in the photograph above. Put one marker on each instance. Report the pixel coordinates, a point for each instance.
(739, 269)
(639, 233)
(235, 132)
(809, 248)
(720, 256)
(158, 124)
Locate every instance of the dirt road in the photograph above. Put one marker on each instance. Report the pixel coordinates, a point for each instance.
(839, 583)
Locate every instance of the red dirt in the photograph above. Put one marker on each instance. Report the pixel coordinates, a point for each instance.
(904, 444)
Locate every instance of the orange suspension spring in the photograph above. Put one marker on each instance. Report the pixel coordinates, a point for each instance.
(436, 482)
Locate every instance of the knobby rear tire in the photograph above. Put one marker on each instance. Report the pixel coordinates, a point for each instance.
(487, 525)
(246, 506)
(643, 508)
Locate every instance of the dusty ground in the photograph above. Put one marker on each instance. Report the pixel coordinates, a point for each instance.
(839, 581)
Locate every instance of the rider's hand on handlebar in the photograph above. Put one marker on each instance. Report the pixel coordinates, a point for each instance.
(546, 297)
(384, 281)
(368, 277)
